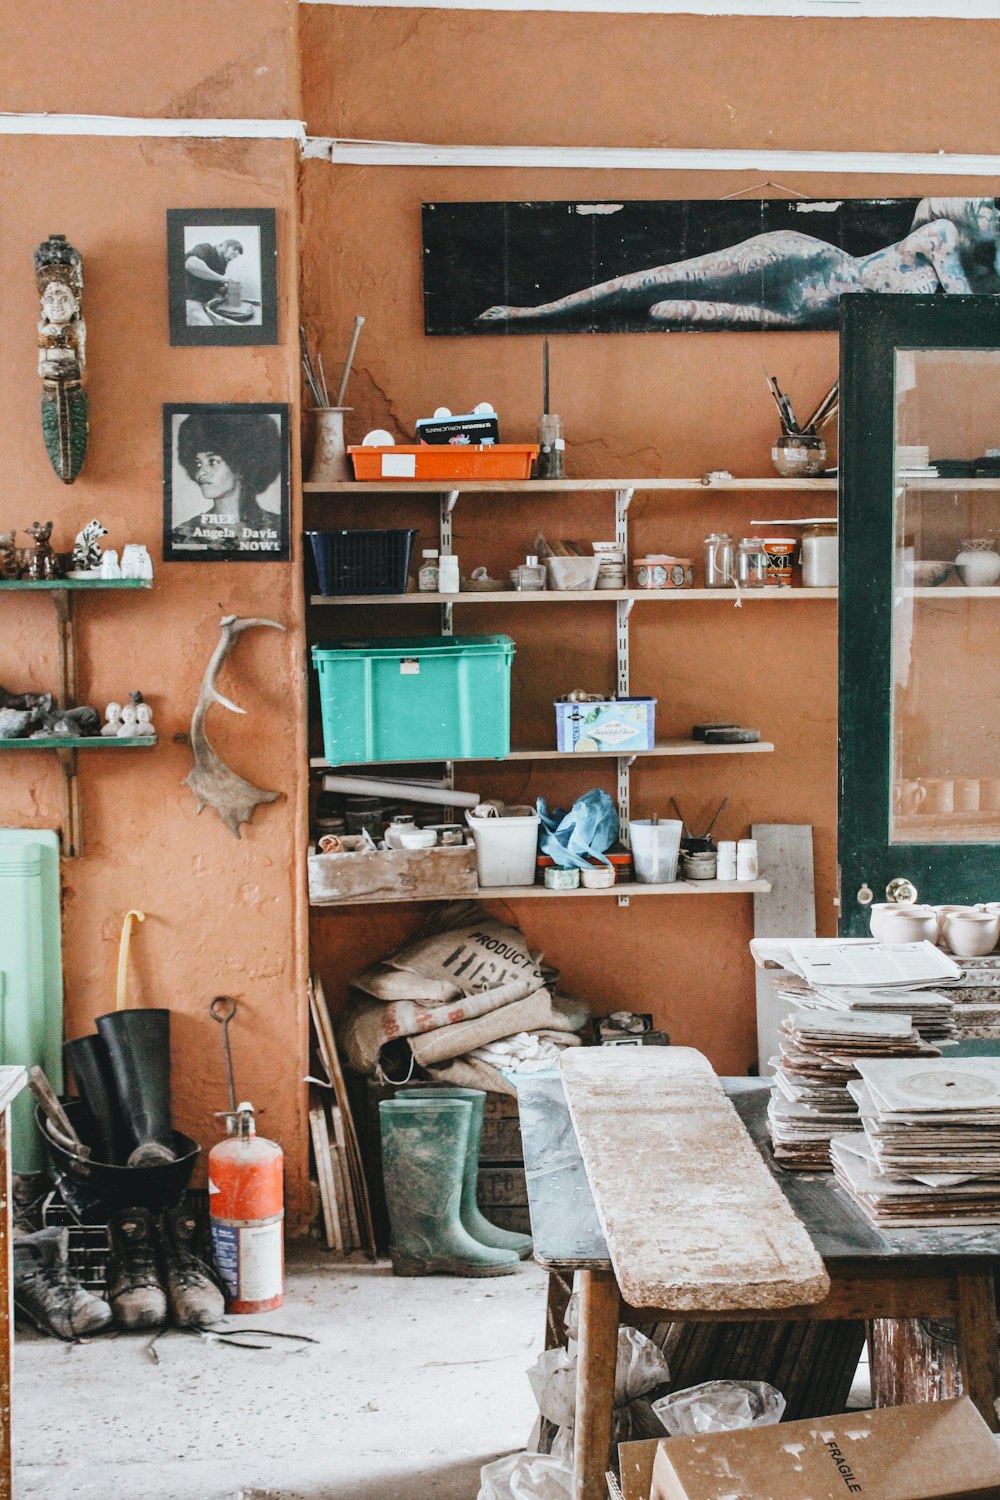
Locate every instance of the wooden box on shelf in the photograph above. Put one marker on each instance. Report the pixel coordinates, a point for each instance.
(392, 875)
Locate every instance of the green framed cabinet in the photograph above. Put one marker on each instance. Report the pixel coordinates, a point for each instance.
(919, 600)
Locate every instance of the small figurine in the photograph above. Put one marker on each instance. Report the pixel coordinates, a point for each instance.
(144, 721)
(86, 548)
(136, 561)
(113, 715)
(42, 564)
(129, 728)
(10, 566)
(62, 349)
(109, 564)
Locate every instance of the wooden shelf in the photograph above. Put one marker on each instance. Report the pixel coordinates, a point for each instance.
(662, 747)
(563, 486)
(78, 742)
(541, 892)
(60, 585)
(948, 591)
(596, 596)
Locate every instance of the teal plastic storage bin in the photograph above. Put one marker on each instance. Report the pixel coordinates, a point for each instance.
(415, 698)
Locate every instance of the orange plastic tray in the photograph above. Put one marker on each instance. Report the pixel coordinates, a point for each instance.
(430, 461)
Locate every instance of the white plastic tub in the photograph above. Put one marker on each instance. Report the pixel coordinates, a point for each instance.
(506, 847)
(655, 849)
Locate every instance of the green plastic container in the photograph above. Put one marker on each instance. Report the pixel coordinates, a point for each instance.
(415, 698)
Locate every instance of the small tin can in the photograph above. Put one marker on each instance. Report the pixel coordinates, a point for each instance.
(561, 880)
(448, 833)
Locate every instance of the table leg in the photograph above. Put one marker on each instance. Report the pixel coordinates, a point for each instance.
(6, 1313)
(595, 1382)
(977, 1343)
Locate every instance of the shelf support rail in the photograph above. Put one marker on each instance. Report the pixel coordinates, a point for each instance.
(623, 608)
(71, 833)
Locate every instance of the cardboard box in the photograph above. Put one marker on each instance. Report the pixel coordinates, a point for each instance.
(942, 1450)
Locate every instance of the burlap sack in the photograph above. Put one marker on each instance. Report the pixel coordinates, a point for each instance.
(533, 1013)
(461, 951)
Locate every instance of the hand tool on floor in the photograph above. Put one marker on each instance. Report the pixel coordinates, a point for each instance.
(57, 1121)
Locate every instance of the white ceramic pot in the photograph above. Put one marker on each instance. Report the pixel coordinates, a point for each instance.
(978, 563)
(943, 912)
(970, 934)
(908, 924)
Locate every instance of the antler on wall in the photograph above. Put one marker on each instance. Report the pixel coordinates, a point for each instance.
(211, 780)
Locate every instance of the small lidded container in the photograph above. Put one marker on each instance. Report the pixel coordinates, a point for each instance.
(820, 555)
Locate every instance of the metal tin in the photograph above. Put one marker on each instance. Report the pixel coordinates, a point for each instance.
(597, 878)
(448, 833)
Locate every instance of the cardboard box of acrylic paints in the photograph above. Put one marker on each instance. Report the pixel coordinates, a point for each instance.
(619, 725)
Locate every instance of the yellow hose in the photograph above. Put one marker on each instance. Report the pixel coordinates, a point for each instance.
(123, 944)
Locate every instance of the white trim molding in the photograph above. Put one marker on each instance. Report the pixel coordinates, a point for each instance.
(137, 125)
(849, 10)
(653, 159)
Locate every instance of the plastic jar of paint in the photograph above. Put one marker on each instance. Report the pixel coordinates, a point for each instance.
(820, 555)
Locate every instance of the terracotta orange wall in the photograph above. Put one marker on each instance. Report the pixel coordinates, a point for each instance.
(633, 405)
(222, 916)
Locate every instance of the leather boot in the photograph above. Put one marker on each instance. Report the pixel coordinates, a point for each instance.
(424, 1148)
(472, 1219)
(193, 1294)
(135, 1291)
(46, 1292)
(138, 1044)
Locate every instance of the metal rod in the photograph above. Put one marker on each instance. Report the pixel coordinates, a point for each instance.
(342, 388)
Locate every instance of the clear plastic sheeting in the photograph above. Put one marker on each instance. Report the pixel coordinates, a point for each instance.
(527, 1476)
(639, 1368)
(720, 1406)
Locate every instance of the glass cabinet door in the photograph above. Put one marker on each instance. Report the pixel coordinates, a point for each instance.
(919, 600)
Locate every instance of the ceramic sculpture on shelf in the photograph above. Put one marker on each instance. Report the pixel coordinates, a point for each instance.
(42, 564)
(144, 721)
(10, 565)
(113, 715)
(109, 564)
(136, 561)
(62, 346)
(87, 550)
(129, 727)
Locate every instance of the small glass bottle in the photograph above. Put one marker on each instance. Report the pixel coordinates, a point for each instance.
(550, 463)
(751, 564)
(427, 578)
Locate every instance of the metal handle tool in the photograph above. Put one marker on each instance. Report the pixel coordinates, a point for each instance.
(223, 1009)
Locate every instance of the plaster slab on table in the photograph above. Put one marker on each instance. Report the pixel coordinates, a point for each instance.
(693, 1220)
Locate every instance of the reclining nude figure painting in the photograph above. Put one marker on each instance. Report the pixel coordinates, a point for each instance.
(784, 278)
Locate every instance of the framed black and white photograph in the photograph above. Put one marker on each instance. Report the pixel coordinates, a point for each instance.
(222, 265)
(225, 482)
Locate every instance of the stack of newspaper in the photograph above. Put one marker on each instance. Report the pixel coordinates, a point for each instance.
(929, 1154)
(819, 1053)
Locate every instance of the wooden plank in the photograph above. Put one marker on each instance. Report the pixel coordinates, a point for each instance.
(703, 888)
(580, 596)
(661, 748)
(977, 1342)
(324, 1174)
(324, 1027)
(365, 489)
(343, 1183)
(393, 875)
(560, 1289)
(9, 1086)
(787, 910)
(693, 1219)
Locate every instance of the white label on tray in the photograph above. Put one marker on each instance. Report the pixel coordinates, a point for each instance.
(399, 465)
(613, 732)
(409, 666)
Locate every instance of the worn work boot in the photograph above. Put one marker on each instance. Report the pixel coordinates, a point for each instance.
(472, 1219)
(192, 1293)
(424, 1147)
(46, 1292)
(135, 1291)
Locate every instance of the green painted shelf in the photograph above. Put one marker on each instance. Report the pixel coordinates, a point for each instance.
(57, 585)
(75, 742)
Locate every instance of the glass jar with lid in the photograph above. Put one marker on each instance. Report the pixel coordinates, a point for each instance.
(751, 563)
(820, 555)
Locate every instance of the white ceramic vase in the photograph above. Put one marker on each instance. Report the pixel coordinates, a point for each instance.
(978, 563)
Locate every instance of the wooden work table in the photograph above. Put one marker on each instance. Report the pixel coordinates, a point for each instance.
(579, 1224)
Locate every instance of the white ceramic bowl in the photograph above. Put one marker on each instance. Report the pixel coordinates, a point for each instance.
(418, 838)
(943, 912)
(908, 924)
(971, 934)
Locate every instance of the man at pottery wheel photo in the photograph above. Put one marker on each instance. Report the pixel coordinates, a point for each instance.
(205, 278)
(233, 457)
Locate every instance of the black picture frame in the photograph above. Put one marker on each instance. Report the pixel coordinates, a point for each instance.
(247, 444)
(194, 319)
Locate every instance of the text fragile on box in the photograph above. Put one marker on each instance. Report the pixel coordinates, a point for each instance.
(941, 1450)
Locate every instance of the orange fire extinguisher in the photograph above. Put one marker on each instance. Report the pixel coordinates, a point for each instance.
(246, 1210)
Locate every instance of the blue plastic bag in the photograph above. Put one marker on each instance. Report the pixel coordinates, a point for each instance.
(580, 835)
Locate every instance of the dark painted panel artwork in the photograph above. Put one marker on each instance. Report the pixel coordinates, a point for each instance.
(689, 264)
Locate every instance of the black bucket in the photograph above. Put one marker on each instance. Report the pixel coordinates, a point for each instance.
(94, 1189)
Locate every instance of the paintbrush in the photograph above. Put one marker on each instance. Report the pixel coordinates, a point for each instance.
(825, 409)
(342, 389)
(723, 804)
(786, 416)
(684, 829)
(545, 378)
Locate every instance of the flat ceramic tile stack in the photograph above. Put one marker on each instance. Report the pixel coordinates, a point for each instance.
(930, 1151)
(819, 1052)
(931, 1012)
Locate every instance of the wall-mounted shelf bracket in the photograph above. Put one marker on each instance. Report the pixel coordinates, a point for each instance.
(450, 500)
(71, 833)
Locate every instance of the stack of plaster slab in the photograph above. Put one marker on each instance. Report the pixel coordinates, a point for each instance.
(930, 1152)
(931, 1013)
(819, 1054)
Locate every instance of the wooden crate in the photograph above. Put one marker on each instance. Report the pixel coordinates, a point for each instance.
(392, 875)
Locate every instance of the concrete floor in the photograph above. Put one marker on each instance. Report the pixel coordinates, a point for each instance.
(412, 1386)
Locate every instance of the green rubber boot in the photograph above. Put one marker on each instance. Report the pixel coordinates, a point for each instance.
(472, 1219)
(424, 1149)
